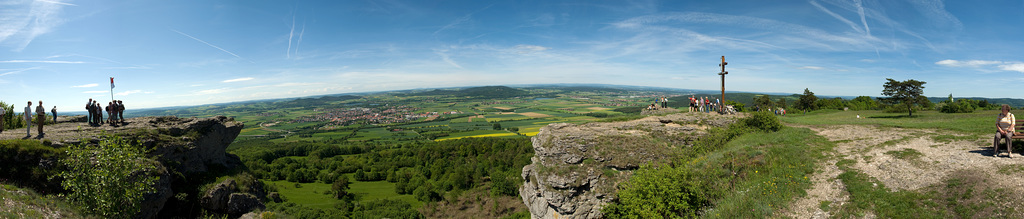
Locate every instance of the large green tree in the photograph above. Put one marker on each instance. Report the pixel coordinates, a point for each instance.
(907, 93)
(807, 101)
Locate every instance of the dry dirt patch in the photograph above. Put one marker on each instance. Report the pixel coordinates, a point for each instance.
(882, 153)
(598, 108)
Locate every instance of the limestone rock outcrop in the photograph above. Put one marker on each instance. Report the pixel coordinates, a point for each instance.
(216, 199)
(196, 142)
(178, 147)
(226, 198)
(577, 168)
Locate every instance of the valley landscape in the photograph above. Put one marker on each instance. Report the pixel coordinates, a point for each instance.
(511, 109)
(467, 152)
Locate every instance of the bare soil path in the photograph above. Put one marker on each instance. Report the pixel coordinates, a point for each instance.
(943, 154)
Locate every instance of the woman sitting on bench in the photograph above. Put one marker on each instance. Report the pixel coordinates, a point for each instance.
(1004, 128)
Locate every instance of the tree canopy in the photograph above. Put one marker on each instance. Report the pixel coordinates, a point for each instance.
(908, 93)
(807, 101)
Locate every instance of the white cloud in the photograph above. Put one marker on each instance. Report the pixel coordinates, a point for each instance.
(522, 48)
(211, 91)
(812, 67)
(126, 93)
(85, 85)
(94, 92)
(968, 63)
(42, 61)
(238, 79)
(20, 23)
(1001, 65)
(16, 71)
(1018, 67)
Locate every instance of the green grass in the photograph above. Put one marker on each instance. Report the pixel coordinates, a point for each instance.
(869, 195)
(771, 170)
(477, 133)
(979, 122)
(1011, 169)
(25, 203)
(308, 194)
(368, 191)
(503, 117)
(312, 194)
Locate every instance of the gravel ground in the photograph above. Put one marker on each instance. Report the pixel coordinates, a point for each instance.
(868, 146)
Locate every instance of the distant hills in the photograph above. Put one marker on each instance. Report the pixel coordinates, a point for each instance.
(475, 92)
(511, 91)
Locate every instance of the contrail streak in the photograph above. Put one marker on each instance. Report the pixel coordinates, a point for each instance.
(299, 42)
(288, 53)
(208, 44)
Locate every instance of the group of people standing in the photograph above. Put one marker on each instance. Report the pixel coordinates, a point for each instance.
(703, 104)
(115, 112)
(662, 100)
(40, 112)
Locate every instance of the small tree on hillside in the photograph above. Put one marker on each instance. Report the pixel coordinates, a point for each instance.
(908, 93)
(340, 188)
(807, 101)
(110, 179)
(763, 102)
(11, 120)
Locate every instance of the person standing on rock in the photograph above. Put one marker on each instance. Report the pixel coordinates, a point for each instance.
(120, 110)
(40, 117)
(28, 119)
(1004, 129)
(54, 110)
(110, 112)
(88, 108)
(99, 112)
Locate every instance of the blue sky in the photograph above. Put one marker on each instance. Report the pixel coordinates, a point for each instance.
(171, 53)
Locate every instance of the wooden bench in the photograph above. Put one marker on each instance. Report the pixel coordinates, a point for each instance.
(1018, 129)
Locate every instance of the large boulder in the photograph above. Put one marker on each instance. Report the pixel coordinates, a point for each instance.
(241, 203)
(195, 143)
(216, 199)
(576, 169)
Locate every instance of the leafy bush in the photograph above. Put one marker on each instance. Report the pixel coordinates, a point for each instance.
(763, 120)
(26, 162)
(960, 106)
(740, 107)
(110, 179)
(662, 192)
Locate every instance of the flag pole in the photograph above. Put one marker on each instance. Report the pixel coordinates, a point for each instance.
(111, 89)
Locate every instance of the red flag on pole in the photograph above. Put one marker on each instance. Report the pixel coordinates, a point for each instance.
(111, 82)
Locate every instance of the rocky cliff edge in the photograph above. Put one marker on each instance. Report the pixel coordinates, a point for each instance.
(577, 168)
(181, 146)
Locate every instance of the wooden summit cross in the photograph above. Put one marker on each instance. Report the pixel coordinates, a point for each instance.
(723, 73)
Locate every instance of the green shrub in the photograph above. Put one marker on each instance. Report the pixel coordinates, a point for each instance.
(763, 120)
(960, 106)
(110, 179)
(662, 192)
